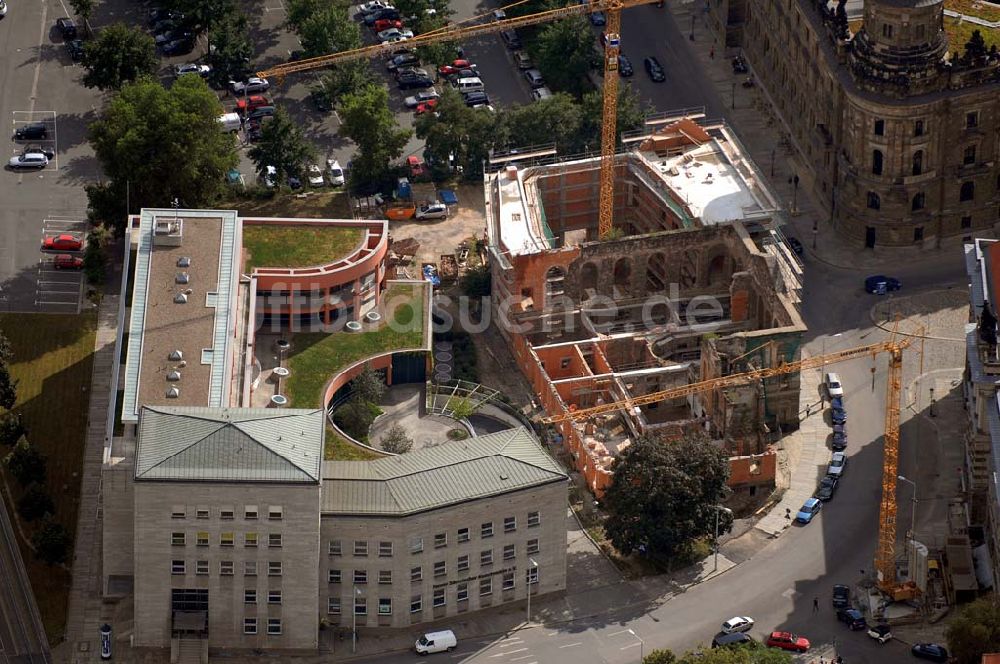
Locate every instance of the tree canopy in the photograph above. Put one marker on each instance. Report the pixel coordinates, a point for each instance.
(466, 133)
(231, 50)
(283, 146)
(368, 386)
(664, 494)
(564, 51)
(755, 653)
(328, 30)
(52, 543)
(366, 119)
(26, 463)
(118, 55)
(974, 632)
(396, 440)
(553, 120)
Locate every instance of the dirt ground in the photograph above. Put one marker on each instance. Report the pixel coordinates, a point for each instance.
(442, 237)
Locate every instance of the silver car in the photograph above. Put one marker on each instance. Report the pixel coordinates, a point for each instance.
(252, 85)
(433, 210)
(28, 160)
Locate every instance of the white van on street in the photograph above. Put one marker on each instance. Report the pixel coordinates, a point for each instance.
(443, 641)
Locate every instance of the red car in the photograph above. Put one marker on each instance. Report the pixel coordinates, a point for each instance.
(386, 23)
(788, 641)
(67, 262)
(62, 242)
(251, 102)
(454, 67)
(426, 106)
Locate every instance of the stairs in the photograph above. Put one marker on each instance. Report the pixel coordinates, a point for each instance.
(192, 651)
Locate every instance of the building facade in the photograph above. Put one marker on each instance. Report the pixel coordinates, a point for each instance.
(897, 137)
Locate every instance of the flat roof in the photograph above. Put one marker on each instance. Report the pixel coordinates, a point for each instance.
(305, 243)
(199, 328)
(517, 229)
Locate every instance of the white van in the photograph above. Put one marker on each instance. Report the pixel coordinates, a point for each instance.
(230, 121)
(443, 641)
(833, 386)
(472, 84)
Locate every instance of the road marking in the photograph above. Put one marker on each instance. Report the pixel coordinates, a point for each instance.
(509, 652)
(571, 645)
(631, 645)
(512, 638)
(514, 659)
(38, 65)
(624, 631)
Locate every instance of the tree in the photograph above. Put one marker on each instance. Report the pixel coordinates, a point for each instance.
(565, 54)
(328, 31)
(396, 441)
(119, 54)
(6, 353)
(26, 463)
(298, 11)
(368, 386)
(459, 132)
(8, 388)
(341, 79)
(477, 282)
(35, 503)
(751, 653)
(631, 115)
(556, 120)
(974, 631)
(975, 48)
(659, 657)
(365, 118)
(83, 9)
(663, 495)
(205, 15)
(283, 146)
(11, 428)
(231, 49)
(164, 144)
(461, 407)
(94, 259)
(52, 543)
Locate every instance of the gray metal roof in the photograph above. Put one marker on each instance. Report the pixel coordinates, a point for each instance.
(230, 444)
(429, 478)
(975, 277)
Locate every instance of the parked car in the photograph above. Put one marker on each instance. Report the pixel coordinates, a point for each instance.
(455, 67)
(463, 73)
(624, 66)
(833, 386)
(177, 34)
(386, 12)
(881, 633)
(193, 68)
(523, 60)
(406, 59)
(105, 639)
(34, 131)
(837, 403)
(386, 24)
(251, 86)
(598, 19)
(158, 14)
(75, 48)
(28, 161)
(262, 112)
(66, 27)
(421, 97)
(3, 8)
(435, 210)
(394, 35)
(475, 98)
(413, 78)
(334, 172)
(67, 262)
(252, 102)
(294, 182)
(534, 78)
(808, 510)
(838, 463)
(270, 177)
(738, 624)
(731, 640)
(839, 440)
(180, 46)
(31, 147)
(796, 246)
(315, 174)
(366, 8)
(511, 39)
(788, 641)
(931, 651)
(827, 487)
(499, 15)
(853, 618)
(62, 242)
(166, 25)
(838, 416)
(841, 596)
(538, 94)
(654, 69)
(878, 284)
(426, 107)
(443, 641)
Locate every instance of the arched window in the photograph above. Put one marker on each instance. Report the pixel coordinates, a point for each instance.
(918, 162)
(918, 201)
(968, 191)
(877, 162)
(874, 202)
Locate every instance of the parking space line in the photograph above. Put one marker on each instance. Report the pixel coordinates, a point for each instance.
(571, 645)
(509, 652)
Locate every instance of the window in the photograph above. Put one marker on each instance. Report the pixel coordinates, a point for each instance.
(972, 119)
(876, 162)
(416, 545)
(201, 568)
(384, 549)
(333, 606)
(920, 31)
(486, 586)
(463, 563)
(508, 580)
(334, 548)
(918, 234)
(274, 597)
(486, 557)
(226, 567)
(202, 512)
(202, 539)
(564, 363)
(462, 592)
(333, 576)
(250, 512)
(918, 162)
(249, 625)
(360, 576)
(874, 202)
(918, 201)
(509, 552)
(886, 30)
(967, 192)
(439, 597)
(880, 127)
(360, 606)
(249, 568)
(274, 568)
(532, 546)
(416, 573)
(226, 539)
(177, 567)
(532, 575)
(510, 524)
(249, 596)
(486, 530)
(178, 512)
(969, 156)
(250, 540)
(274, 626)
(440, 568)
(463, 535)
(384, 576)
(360, 548)
(274, 512)
(384, 606)
(227, 513)
(416, 604)
(177, 539)
(534, 519)
(918, 128)
(440, 540)
(274, 540)
(966, 222)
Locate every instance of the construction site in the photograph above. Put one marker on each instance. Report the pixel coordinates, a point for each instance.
(693, 281)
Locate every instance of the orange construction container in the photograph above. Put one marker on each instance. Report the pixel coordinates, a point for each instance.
(400, 212)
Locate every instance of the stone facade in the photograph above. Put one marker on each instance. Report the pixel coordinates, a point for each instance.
(898, 143)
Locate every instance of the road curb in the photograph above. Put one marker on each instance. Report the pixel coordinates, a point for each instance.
(882, 325)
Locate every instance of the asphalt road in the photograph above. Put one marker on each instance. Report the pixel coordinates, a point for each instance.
(22, 637)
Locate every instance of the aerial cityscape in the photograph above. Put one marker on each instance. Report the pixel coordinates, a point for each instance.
(532, 332)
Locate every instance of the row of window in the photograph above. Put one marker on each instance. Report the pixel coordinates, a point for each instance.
(971, 122)
(438, 598)
(440, 567)
(385, 549)
(226, 567)
(917, 167)
(966, 193)
(250, 512)
(250, 540)
(250, 596)
(273, 626)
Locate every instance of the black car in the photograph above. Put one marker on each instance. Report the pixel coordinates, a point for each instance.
(841, 596)
(166, 25)
(796, 246)
(35, 131)
(852, 618)
(837, 403)
(838, 416)
(408, 59)
(654, 70)
(475, 98)
(413, 78)
(38, 149)
(75, 48)
(67, 28)
(931, 651)
(511, 39)
(827, 487)
(179, 46)
(390, 13)
(839, 440)
(294, 182)
(624, 66)
(158, 14)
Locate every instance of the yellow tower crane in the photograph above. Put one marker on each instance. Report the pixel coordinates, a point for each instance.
(885, 564)
(457, 32)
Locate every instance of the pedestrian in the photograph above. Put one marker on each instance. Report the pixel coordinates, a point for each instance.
(815, 604)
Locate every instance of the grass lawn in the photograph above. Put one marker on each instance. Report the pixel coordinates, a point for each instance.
(328, 204)
(336, 448)
(317, 356)
(973, 8)
(960, 32)
(297, 246)
(53, 356)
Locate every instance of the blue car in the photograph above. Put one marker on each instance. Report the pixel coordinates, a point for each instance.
(808, 510)
(839, 416)
(878, 284)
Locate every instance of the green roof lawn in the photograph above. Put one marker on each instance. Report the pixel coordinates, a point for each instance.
(274, 245)
(318, 356)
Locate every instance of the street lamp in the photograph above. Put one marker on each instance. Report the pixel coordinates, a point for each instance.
(642, 644)
(354, 619)
(718, 509)
(527, 584)
(913, 506)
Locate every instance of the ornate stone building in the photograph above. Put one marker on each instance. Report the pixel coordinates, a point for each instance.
(897, 136)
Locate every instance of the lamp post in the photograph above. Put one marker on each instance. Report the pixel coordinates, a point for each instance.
(718, 509)
(527, 584)
(913, 506)
(691, 36)
(642, 644)
(354, 620)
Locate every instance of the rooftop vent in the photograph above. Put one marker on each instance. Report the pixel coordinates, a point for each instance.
(168, 232)
(175, 356)
(184, 261)
(373, 316)
(182, 278)
(279, 401)
(180, 298)
(173, 392)
(174, 376)
(353, 326)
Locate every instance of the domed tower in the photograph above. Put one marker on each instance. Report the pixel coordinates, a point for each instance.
(901, 47)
